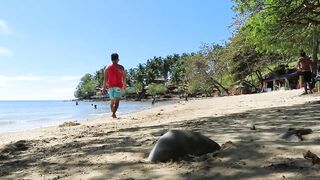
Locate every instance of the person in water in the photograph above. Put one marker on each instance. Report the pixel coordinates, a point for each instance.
(115, 82)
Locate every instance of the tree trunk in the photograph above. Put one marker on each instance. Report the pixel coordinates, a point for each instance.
(224, 89)
(259, 75)
(315, 48)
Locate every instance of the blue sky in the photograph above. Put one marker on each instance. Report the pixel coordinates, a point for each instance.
(46, 46)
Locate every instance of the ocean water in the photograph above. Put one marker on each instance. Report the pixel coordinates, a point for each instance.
(24, 115)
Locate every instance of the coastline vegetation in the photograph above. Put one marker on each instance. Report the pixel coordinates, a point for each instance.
(266, 34)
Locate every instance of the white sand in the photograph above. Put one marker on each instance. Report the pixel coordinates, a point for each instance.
(117, 148)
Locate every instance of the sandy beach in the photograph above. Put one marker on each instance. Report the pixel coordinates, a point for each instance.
(109, 148)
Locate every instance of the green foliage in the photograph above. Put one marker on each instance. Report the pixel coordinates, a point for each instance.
(284, 26)
(130, 91)
(99, 76)
(227, 79)
(87, 87)
(138, 87)
(156, 89)
(194, 87)
(267, 33)
(248, 60)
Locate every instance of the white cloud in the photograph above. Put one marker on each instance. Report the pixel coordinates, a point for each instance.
(34, 87)
(70, 78)
(5, 52)
(21, 78)
(4, 27)
(6, 81)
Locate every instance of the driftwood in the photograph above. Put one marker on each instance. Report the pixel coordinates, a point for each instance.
(311, 156)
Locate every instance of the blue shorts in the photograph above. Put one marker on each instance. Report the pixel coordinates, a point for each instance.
(115, 93)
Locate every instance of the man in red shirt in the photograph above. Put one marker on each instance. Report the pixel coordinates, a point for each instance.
(115, 81)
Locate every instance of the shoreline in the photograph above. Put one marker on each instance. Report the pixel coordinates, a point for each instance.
(117, 148)
(98, 116)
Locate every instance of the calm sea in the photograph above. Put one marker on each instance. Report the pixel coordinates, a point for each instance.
(24, 115)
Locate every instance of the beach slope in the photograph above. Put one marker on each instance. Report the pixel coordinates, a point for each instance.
(248, 128)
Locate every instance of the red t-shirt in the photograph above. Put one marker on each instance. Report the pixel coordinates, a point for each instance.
(115, 76)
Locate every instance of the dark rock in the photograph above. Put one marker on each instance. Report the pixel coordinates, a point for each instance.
(295, 135)
(176, 144)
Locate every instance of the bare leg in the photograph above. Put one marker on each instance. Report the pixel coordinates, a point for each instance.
(305, 88)
(310, 88)
(112, 107)
(115, 107)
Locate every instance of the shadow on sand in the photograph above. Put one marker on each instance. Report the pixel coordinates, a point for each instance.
(250, 154)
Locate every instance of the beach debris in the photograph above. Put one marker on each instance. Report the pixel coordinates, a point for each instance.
(21, 145)
(289, 164)
(311, 156)
(295, 135)
(67, 124)
(285, 166)
(176, 144)
(227, 145)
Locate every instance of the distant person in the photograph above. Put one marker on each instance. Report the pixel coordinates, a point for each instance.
(77, 103)
(304, 67)
(95, 106)
(115, 81)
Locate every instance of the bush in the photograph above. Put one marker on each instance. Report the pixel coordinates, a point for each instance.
(155, 89)
(130, 91)
(194, 87)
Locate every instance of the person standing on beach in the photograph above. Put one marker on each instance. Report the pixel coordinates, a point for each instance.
(304, 67)
(115, 82)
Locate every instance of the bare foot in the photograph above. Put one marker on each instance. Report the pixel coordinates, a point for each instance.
(304, 93)
(114, 116)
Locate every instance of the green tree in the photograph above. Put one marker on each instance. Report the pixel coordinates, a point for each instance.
(156, 89)
(281, 26)
(87, 87)
(99, 77)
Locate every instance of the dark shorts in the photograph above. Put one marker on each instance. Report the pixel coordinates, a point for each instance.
(307, 76)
